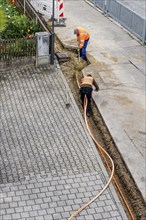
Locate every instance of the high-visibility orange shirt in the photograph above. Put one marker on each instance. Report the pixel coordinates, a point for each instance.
(82, 36)
(87, 80)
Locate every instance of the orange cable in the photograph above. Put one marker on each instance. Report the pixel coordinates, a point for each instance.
(107, 184)
(103, 156)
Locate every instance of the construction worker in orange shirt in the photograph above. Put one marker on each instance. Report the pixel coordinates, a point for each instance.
(83, 39)
(86, 88)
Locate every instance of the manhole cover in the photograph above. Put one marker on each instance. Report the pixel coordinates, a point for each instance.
(62, 56)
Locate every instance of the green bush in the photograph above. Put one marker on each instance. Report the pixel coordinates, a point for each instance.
(19, 26)
(3, 19)
(9, 9)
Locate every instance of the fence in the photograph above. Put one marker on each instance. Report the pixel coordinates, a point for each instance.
(32, 14)
(21, 50)
(45, 7)
(123, 15)
(17, 48)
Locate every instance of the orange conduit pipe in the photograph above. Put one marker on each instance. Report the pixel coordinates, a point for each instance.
(105, 187)
(103, 156)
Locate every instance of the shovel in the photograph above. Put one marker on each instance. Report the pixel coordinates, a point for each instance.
(67, 98)
(79, 54)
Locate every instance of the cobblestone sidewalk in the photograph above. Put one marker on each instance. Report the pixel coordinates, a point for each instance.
(49, 165)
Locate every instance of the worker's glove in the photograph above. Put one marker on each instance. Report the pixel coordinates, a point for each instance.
(78, 51)
(96, 89)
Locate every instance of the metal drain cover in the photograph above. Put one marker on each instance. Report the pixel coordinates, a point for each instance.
(62, 56)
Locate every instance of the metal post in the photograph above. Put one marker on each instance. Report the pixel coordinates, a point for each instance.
(105, 7)
(58, 11)
(24, 6)
(144, 32)
(52, 36)
(94, 3)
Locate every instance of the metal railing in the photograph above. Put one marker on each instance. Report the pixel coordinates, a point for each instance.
(124, 16)
(17, 48)
(12, 50)
(31, 13)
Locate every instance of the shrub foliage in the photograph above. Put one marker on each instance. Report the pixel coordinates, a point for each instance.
(17, 25)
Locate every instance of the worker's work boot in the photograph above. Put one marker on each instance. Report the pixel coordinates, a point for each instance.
(88, 114)
(88, 62)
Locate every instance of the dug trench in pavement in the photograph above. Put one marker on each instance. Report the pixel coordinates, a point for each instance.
(75, 67)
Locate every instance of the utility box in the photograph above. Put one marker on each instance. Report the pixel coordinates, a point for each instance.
(42, 48)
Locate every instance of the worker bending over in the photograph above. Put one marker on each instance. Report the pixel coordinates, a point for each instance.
(86, 88)
(82, 38)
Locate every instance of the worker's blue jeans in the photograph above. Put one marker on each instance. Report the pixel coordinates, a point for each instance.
(86, 90)
(83, 50)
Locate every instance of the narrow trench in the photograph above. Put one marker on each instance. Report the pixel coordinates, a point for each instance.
(135, 201)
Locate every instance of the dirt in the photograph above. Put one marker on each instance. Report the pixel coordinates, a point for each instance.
(72, 71)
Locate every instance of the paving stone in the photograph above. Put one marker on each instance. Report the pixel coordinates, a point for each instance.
(16, 216)
(53, 204)
(119, 218)
(57, 216)
(42, 212)
(44, 206)
(5, 205)
(10, 211)
(33, 213)
(114, 213)
(89, 217)
(21, 203)
(106, 215)
(7, 217)
(3, 212)
(65, 214)
(91, 211)
(40, 218)
(30, 186)
(50, 217)
(107, 208)
(98, 216)
(36, 190)
(35, 196)
(51, 210)
(27, 208)
(30, 202)
(61, 203)
(25, 215)
(30, 218)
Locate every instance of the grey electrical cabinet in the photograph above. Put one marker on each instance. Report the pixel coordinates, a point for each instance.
(42, 48)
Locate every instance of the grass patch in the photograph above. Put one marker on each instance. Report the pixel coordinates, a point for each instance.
(3, 19)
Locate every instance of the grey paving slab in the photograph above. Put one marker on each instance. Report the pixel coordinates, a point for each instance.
(120, 68)
(49, 164)
(137, 56)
